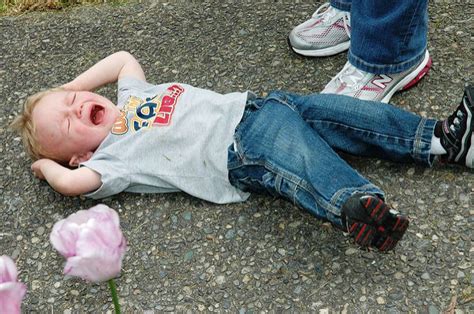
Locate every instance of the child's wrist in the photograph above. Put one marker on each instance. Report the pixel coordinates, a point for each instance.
(71, 86)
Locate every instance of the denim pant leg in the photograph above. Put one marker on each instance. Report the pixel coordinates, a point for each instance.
(365, 128)
(277, 152)
(388, 36)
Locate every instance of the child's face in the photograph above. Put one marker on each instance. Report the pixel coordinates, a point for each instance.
(72, 124)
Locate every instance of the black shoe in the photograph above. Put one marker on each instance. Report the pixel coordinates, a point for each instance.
(456, 132)
(372, 223)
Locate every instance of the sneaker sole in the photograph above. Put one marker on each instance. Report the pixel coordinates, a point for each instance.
(325, 52)
(386, 241)
(411, 79)
(385, 229)
(470, 154)
(469, 159)
(362, 233)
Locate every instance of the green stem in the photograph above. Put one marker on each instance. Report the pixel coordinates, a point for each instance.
(113, 289)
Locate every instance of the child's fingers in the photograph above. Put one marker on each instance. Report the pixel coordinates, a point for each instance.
(36, 170)
(38, 174)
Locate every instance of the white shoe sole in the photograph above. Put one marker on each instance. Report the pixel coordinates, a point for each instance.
(325, 52)
(470, 154)
(407, 79)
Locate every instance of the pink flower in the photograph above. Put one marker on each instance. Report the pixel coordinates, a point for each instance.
(92, 243)
(11, 291)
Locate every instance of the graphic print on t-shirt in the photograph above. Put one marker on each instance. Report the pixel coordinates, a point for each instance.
(155, 111)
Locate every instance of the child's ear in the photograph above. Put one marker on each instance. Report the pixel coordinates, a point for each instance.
(76, 159)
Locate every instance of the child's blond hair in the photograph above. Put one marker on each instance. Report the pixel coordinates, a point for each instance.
(23, 124)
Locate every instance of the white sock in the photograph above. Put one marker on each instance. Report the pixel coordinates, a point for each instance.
(436, 147)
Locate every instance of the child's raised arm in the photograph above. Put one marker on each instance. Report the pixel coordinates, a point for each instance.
(66, 181)
(107, 70)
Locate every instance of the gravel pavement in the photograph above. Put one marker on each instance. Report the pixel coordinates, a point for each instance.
(264, 255)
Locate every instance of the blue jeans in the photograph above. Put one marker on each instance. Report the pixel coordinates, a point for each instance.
(386, 36)
(287, 145)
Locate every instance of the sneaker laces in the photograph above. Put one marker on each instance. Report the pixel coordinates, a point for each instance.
(346, 18)
(325, 12)
(350, 75)
(455, 125)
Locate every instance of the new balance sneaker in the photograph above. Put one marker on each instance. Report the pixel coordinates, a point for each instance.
(372, 223)
(326, 33)
(456, 132)
(379, 87)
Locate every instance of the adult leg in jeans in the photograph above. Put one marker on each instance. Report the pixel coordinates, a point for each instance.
(387, 45)
(276, 151)
(388, 49)
(388, 36)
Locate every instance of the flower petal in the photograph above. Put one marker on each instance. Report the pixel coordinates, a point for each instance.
(93, 268)
(11, 294)
(8, 270)
(64, 237)
(92, 242)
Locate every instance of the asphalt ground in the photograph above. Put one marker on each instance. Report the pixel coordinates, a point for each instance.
(264, 255)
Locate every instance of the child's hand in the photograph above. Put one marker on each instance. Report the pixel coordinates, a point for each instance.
(36, 168)
(64, 180)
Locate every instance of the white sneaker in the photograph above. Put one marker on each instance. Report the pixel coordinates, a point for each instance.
(378, 87)
(324, 34)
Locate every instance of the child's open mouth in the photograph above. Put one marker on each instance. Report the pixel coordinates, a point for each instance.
(97, 114)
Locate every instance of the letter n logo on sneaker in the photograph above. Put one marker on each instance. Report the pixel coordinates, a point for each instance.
(382, 80)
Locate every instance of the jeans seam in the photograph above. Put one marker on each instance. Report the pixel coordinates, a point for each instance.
(410, 25)
(277, 97)
(300, 183)
(383, 136)
(296, 181)
(418, 146)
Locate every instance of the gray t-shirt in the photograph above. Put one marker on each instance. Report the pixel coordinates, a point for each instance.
(170, 137)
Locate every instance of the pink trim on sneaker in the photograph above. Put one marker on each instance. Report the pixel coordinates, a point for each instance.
(419, 76)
